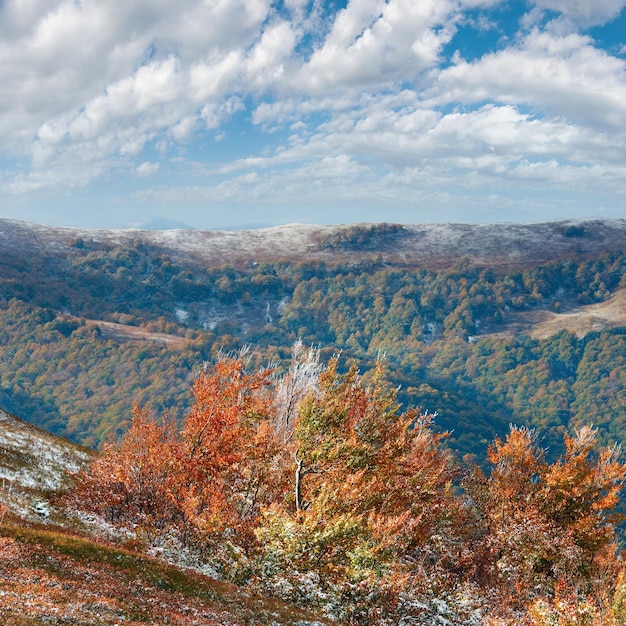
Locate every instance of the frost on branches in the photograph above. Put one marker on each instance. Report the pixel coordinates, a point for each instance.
(316, 487)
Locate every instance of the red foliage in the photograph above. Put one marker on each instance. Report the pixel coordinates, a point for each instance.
(361, 494)
(214, 473)
(130, 481)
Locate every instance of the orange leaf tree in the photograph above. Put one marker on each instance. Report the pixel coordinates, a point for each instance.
(209, 476)
(372, 485)
(131, 481)
(229, 459)
(548, 525)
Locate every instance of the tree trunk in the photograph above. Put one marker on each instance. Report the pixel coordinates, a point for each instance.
(298, 493)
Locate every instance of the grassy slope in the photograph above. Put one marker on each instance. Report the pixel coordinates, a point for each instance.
(48, 575)
(541, 323)
(51, 574)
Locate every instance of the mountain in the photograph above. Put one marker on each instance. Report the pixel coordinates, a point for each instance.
(480, 325)
(470, 318)
(164, 223)
(427, 245)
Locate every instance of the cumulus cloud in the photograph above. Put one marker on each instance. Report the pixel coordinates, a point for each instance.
(585, 12)
(361, 102)
(492, 140)
(57, 57)
(265, 63)
(565, 76)
(373, 42)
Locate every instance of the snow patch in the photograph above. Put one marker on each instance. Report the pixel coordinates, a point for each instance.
(181, 315)
(33, 461)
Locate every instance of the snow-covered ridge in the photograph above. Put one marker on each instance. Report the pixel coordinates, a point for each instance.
(422, 244)
(33, 463)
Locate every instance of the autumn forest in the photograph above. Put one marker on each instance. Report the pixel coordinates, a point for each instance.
(382, 442)
(319, 489)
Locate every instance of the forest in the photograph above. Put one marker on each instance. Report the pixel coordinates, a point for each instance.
(351, 436)
(317, 488)
(438, 329)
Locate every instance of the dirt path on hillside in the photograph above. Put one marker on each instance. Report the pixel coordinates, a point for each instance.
(123, 333)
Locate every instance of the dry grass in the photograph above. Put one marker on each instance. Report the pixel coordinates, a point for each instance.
(123, 333)
(54, 577)
(50, 574)
(594, 317)
(541, 323)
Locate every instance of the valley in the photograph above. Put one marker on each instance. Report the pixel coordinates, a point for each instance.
(106, 335)
(93, 322)
(538, 324)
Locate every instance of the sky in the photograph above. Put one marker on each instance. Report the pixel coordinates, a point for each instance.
(239, 113)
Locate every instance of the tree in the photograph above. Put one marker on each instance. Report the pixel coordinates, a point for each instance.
(579, 495)
(131, 481)
(372, 485)
(228, 465)
(547, 526)
(318, 486)
(292, 388)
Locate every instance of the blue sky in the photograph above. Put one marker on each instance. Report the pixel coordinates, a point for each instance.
(222, 113)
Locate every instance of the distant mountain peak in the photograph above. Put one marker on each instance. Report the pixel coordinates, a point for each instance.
(165, 223)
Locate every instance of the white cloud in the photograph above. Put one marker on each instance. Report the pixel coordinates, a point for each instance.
(116, 74)
(373, 42)
(358, 100)
(213, 76)
(213, 115)
(265, 63)
(585, 12)
(185, 128)
(147, 169)
(71, 52)
(393, 143)
(478, 151)
(341, 188)
(563, 76)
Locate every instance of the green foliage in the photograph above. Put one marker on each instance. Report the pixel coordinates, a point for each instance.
(65, 375)
(360, 237)
(79, 384)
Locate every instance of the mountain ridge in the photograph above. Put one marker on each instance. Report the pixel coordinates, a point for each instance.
(429, 245)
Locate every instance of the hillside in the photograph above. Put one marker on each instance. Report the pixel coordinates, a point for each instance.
(538, 324)
(92, 322)
(480, 326)
(53, 576)
(541, 323)
(374, 525)
(424, 245)
(57, 567)
(33, 466)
